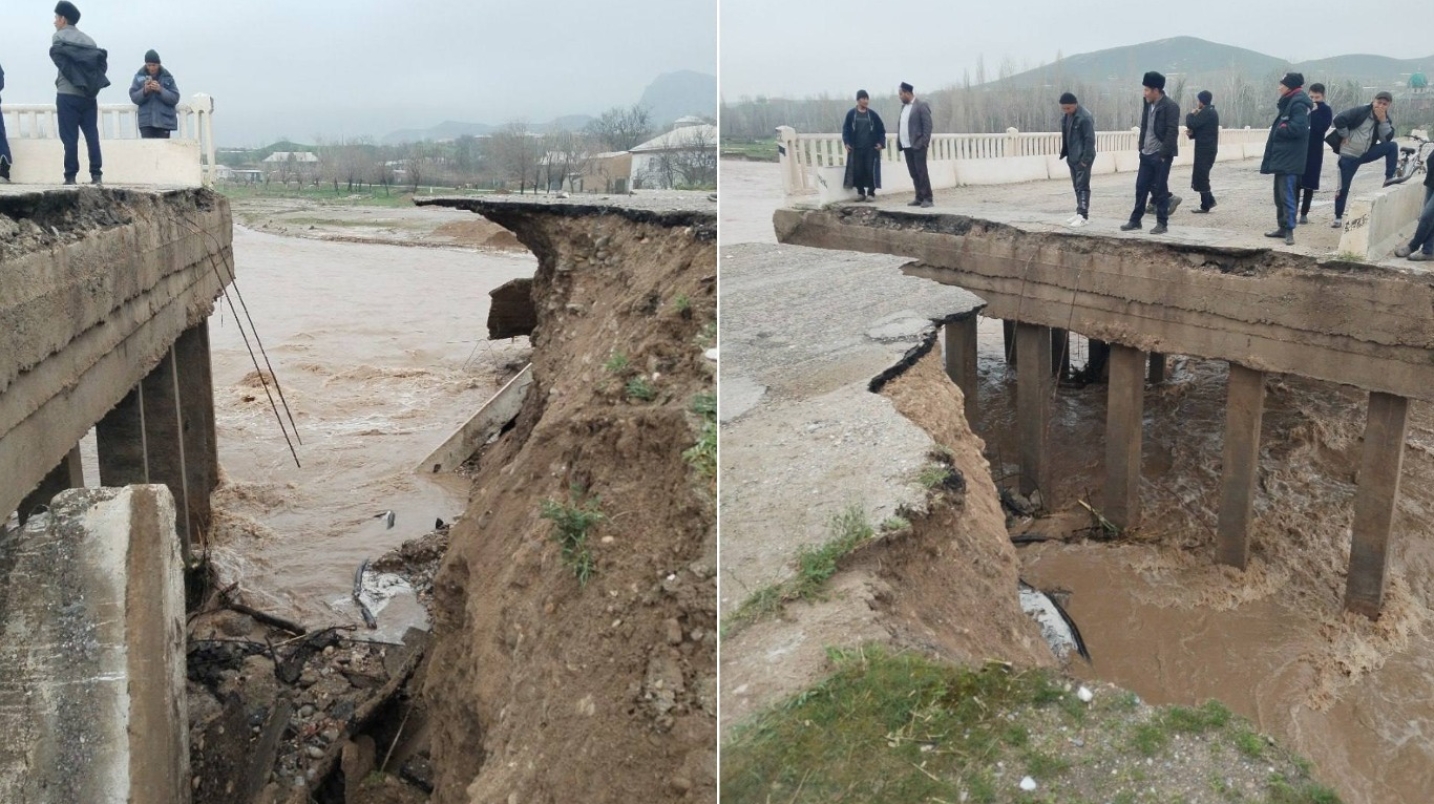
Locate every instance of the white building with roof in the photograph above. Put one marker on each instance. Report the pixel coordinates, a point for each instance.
(686, 156)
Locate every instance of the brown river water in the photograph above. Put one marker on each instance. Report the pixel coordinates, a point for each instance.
(381, 351)
(1161, 619)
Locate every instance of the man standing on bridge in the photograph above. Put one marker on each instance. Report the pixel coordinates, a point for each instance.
(1320, 120)
(1159, 144)
(82, 65)
(1078, 149)
(1203, 126)
(1285, 152)
(913, 137)
(1366, 133)
(5, 158)
(1421, 248)
(865, 136)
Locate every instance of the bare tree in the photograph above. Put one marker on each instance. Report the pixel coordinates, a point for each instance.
(620, 129)
(567, 154)
(517, 154)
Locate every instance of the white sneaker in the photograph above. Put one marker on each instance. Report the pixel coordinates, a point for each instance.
(1072, 219)
(1338, 223)
(1078, 222)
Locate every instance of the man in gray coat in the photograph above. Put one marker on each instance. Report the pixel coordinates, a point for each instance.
(1078, 149)
(153, 90)
(82, 66)
(914, 136)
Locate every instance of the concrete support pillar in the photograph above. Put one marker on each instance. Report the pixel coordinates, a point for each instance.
(1008, 341)
(1033, 408)
(196, 404)
(120, 439)
(164, 438)
(68, 474)
(92, 675)
(1125, 413)
(1060, 352)
(1157, 368)
(1243, 414)
(961, 361)
(1374, 502)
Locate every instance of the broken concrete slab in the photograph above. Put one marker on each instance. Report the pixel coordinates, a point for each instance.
(92, 674)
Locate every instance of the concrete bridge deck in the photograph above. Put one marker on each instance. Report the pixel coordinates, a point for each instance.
(104, 298)
(1221, 293)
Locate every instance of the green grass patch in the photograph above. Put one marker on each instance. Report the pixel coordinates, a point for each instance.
(1250, 744)
(1284, 791)
(703, 455)
(895, 523)
(934, 475)
(755, 150)
(816, 564)
(571, 523)
(616, 363)
(682, 303)
(640, 388)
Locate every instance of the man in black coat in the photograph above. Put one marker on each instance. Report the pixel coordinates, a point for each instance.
(1203, 126)
(1320, 119)
(913, 138)
(1285, 152)
(5, 157)
(865, 136)
(1159, 144)
(1078, 149)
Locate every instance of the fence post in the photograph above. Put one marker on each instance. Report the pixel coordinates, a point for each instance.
(1013, 142)
(791, 162)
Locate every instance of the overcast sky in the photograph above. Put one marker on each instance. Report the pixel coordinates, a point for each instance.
(331, 68)
(837, 46)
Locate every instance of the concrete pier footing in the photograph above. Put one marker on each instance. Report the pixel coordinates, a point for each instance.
(1374, 502)
(1033, 408)
(1125, 413)
(1239, 472)
(92, 674)
(961, 361)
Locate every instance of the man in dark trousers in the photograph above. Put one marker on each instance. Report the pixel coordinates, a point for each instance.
(1203, 126)
(1320, 119)
(1078, 149)
(5, 157)
(1421, 248)
(82, 67)
(865, 136)
(1159, 144)
(1366, 133)
(1285, 152)
(913, 137)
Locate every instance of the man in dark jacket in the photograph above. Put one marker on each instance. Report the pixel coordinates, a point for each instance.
(1078, 149)
(82, 67)
(1366, 133)
(5, 157)
(1285, 152)
(1421, 248)
(1203, 126)
(913, 137)
(1320, 120)
(156, 94)
(865, 137)
(1159, 143)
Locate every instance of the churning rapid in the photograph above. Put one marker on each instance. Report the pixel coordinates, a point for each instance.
(381, 351)
(1162, 619)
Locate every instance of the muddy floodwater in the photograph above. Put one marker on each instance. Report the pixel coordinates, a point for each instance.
(1161, 619)
(381, 352)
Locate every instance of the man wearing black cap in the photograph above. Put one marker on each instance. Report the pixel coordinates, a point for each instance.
(1203, 126)
(156, 94)
(913, 137)
(1078, 149)
(1285, 151)
(82, 67)
(1320, 119)
(1366, 133)
(1159, 143)
(865, 136)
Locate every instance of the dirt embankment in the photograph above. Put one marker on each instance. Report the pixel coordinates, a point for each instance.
(544, 688)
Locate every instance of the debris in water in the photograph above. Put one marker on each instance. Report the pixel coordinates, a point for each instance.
(1057, 627)
(388, 516)
(438, 524)
(368, 618)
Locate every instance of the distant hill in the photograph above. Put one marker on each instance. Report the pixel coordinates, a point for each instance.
(680, 94)
(447, 130)
(1203, 61)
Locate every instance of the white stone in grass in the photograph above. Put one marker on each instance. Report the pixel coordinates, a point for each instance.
(1085, 694)
(1028, 784)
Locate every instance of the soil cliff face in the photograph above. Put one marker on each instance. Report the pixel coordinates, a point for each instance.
(544, 688)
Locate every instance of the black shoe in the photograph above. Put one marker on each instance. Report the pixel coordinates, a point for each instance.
(927, 204)
(1174, 204)
(1129, 226)
(69, 182)
(1200, 211)
(1289, 237)
(861, 196)
(1390, 180)
(914, 204)
(1304, 219)
(1277, 233)
(1159, 229)
(97, 182)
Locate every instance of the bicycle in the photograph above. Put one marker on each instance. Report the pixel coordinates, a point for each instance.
(1411, 160)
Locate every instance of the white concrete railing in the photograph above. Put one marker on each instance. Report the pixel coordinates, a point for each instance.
(813, 164)
(34, 134)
